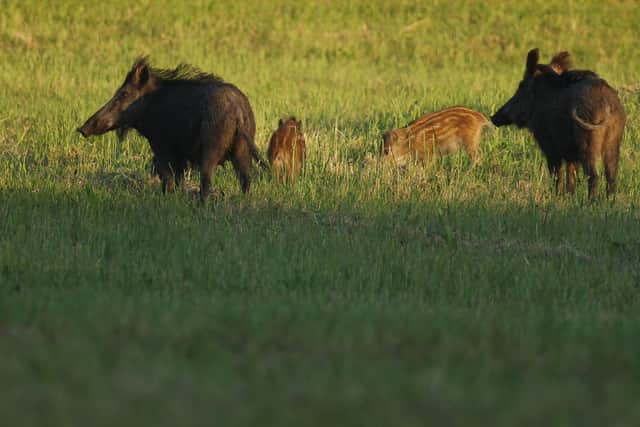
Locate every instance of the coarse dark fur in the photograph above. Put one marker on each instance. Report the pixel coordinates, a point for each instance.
(188, 117)
(287, 149)
(574, 115)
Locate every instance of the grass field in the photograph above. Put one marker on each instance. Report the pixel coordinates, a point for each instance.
(448, 295)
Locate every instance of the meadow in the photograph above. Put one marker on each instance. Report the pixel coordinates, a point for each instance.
(451, 294)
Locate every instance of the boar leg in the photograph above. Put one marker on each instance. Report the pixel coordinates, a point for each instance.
(178, 174)
(295, 163)
(590, 169)
(300, 154)
(277, 168)
(472, 147)
(210, 160)
(610, 158)
(166, 175)
(216, 141)
(571, 177)
(555, 170)
(241, 159)
(475, 155)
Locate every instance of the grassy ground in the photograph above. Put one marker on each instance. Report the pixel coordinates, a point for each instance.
(451, 294)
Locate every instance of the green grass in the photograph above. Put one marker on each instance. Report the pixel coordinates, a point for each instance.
(450, 294)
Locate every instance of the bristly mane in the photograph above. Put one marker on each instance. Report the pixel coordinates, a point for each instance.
(567, 78)
(185, 73)
(573, 76)
(182, 74)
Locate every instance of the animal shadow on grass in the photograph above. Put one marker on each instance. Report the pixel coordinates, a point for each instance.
(535, 233)
(121, 181)
(145, 182)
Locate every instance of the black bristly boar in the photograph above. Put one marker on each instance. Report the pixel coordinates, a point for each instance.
(438, 133)
(574, 115)
(287, 149)
(188, 117)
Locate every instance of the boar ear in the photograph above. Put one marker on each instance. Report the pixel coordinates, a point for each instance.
(532, 60)
(561, 62)
(140, 72)
(142, 75)
(280, 123)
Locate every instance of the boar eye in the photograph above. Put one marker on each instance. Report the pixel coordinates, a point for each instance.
(123, 94)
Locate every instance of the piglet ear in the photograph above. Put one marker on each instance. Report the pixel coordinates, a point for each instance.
(532, 60)
(561, 62)
(280, 123)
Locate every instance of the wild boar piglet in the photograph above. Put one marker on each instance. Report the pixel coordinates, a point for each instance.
(287, 149)
(439, 133)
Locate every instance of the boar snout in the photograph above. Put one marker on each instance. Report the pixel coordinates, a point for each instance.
(88, 128)
(96, 125)
(82, 131)
(499, 119)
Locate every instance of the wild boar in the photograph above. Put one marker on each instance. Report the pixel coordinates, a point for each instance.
(188, 117)
(574, 115)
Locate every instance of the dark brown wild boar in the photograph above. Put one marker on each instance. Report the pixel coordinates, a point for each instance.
(439, 133)
(188, 117)
(574, 115)
(287, 149)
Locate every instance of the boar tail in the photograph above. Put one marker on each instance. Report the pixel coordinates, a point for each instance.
(253, 149)
(586, 125)
(258, 158)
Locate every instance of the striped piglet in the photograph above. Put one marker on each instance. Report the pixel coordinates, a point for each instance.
(439, 133)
